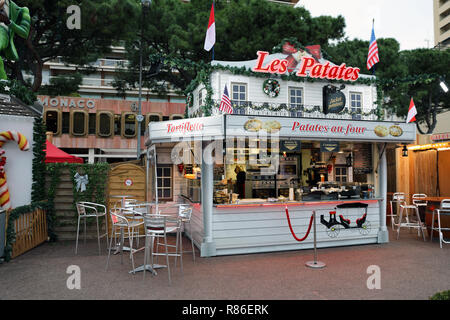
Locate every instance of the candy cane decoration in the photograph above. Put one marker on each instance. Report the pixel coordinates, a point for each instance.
(23, 146)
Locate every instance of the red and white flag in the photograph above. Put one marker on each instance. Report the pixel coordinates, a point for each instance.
(210, 39)
(412, 112)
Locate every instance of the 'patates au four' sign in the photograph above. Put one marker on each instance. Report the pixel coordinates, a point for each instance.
(308, 67)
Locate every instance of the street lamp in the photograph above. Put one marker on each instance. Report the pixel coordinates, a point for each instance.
(145, 4)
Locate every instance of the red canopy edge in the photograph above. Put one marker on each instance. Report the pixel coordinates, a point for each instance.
(54, 154)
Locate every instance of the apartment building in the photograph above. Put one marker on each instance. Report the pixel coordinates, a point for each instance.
(441, 13)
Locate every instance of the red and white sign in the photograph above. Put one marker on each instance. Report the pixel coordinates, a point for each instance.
(194, 128)
(440, 137)
(308, 67)
(128, 182)
(184, 127)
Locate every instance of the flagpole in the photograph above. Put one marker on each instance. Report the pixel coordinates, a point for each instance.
(214, 7)
(373, 28)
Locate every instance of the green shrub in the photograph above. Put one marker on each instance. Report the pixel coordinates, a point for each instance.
(444, 295)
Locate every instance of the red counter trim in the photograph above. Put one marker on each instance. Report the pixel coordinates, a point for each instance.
(299, 204)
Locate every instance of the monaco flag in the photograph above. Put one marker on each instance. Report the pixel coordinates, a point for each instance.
(412, 112)
(210, 39)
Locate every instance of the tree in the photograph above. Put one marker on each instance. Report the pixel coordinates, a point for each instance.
(402, 75)
(103, 23)
(175, 31)
(425, 69)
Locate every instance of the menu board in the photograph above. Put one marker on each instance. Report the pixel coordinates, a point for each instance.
(362, 159)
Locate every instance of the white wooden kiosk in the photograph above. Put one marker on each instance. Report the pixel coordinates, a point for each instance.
(288, 110)
(258, 225)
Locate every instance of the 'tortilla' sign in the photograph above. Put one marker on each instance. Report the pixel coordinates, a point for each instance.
(308, 67)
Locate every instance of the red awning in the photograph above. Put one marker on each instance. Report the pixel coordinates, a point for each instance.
(57, 155)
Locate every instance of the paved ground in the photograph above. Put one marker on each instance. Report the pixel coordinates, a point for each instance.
(410, 269)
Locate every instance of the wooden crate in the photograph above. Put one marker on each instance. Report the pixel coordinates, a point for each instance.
(31, 231)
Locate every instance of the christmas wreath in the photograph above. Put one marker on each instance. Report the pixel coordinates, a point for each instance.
(271, 87)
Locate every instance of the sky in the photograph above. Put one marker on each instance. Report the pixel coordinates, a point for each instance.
(410, 22)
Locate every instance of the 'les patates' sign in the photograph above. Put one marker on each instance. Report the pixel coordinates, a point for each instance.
(308, 64)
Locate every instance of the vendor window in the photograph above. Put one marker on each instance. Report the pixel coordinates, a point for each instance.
(129, 125)
(341, 174)
(53, 121)
(164, 182)
(239, 93)
(79, 123)
(105, 124)
(295, 98)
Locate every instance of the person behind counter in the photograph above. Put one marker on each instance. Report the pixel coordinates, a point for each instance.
(240, 181)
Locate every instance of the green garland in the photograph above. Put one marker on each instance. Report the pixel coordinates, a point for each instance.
(14, 214)
(95, 189)
(303, 109)
(38, 171)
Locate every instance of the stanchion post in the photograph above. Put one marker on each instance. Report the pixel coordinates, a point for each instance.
(315, 264)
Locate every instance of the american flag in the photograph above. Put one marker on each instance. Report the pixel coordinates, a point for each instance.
(225, 104)
(372, 57)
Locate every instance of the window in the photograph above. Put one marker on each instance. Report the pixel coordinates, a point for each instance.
(92, 123)
(355, 101)
(117, 124)
(200, 98)
(79, 123)
(239, 93)
(52, 121)
(341, 174)
(164, 182)
(153, 118)
(105, 124)
(295, 98)
(176, 117)
(65, 123)
(129, 125)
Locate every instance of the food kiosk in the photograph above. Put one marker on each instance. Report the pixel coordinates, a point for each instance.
(242, 170)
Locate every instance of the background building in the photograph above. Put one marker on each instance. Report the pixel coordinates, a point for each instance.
(99, 124)
(441, 12)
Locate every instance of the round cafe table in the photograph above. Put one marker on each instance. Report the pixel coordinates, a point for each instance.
(122, 197)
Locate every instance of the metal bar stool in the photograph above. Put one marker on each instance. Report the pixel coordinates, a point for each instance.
(443, 210)
(397, 198)
(404, 208)
(86, 210)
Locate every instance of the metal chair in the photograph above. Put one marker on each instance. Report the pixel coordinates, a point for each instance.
(397, 198)
(157, 226)
(87, 210)
(443, 210)
(416, 199)
(184, 214)
(410, 224)
(120, 223)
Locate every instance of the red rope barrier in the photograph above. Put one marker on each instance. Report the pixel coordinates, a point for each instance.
(292, 231)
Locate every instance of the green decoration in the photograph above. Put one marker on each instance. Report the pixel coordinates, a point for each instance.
(38, 169)
(13, 20)
(271, 87)
(95, 189)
